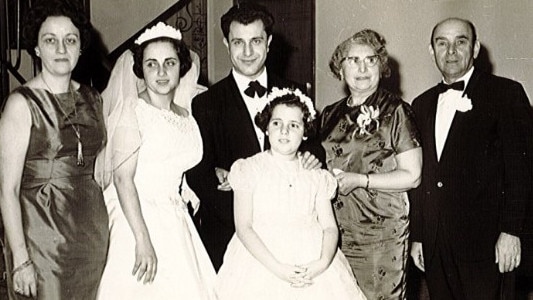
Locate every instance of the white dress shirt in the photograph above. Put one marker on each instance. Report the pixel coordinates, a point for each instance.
(446, 111)
(255, 104)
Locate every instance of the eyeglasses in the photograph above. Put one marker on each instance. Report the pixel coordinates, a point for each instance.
(369, 61)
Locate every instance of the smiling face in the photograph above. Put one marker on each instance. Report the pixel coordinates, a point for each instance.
(285, 130)
(161, 67)
(453, 49)
(58, 45)
(361, 78)
(248, 47)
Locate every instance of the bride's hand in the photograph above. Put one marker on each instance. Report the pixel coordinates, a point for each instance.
(145, 261)
(222, 176)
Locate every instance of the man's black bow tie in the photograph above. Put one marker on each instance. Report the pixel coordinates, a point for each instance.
(443, 87)
(255, 87)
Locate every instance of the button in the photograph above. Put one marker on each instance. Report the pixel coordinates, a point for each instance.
(439, 184)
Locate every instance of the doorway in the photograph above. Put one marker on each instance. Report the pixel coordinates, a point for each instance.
(292, 51)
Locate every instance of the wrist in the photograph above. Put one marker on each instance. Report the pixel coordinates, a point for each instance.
(20, 258)
(142, 237)
(365, 182)
(22, 266)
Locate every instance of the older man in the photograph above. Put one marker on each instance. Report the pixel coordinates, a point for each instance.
(469, 210)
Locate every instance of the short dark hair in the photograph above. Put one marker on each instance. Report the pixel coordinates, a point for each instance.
(292, 100)
(367, 37)
(184, 55)
(246, 13)
(43, 9)
(467, 22)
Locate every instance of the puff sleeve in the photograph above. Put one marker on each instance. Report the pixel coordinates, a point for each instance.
(242, 175)
(327, 185)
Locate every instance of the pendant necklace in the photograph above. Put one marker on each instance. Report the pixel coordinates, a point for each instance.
(80, 162)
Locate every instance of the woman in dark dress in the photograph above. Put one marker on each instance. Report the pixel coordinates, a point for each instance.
(372, 146)
(51, 129)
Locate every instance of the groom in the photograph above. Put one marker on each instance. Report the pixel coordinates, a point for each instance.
(225, 115)
(476, 180)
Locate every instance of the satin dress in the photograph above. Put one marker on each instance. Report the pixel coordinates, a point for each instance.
(64, 216)
(374, 224)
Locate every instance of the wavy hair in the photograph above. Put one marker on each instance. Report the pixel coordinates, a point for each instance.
(184, 55)
(246, 13)
(43, 9)
(364, 37)
(263, 118)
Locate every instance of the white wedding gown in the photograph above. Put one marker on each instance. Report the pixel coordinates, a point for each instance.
(170, 145)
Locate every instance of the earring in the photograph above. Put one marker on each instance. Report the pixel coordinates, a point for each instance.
(37, 52)
(304, 138)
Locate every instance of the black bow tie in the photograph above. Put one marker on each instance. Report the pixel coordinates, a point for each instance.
(443, 87)
(255, 87)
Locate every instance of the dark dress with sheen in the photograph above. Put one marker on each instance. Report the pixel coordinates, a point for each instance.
(373, 224)
(63, 212)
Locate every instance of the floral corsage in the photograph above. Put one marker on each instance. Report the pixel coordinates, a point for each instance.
(367, 116)
(464, 104)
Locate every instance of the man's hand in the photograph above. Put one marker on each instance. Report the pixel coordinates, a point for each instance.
(309, 161)
(417, 254)
(508, 252)
(222, 176)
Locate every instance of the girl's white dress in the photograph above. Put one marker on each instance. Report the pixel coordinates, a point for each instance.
(285, 219)
(170, 145)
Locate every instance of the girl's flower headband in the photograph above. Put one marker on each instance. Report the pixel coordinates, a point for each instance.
(157, 31)
(277, 92)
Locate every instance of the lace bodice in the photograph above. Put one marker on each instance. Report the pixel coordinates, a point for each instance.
(170, 145)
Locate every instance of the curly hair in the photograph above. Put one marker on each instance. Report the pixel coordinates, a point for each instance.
(263, 118)
(246, 13)
(43, 9)
(364, 37)
(184, 55)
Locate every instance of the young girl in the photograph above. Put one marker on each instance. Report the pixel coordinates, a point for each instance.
(285, 246)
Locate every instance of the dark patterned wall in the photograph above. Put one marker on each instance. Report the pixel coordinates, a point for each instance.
(192, 21)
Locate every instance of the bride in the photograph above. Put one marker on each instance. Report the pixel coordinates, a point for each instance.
(155, 251)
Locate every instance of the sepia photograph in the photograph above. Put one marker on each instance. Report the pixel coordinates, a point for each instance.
(266, 149)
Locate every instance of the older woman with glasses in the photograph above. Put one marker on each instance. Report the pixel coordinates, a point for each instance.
(373, 148)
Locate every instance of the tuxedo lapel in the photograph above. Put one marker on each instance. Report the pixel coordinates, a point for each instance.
(242, 116)
(458, 132)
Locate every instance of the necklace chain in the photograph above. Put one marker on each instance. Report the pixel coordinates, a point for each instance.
(80, 160)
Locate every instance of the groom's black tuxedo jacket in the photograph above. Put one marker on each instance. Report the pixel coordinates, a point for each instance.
(228, 134)
(482, 184)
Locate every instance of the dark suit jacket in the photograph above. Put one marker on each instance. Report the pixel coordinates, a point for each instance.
(482, 183)
(228, 134)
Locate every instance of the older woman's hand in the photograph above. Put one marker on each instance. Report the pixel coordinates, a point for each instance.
(349, 181)
(25, 281)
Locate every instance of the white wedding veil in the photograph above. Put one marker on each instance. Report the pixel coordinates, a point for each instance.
(120, 99)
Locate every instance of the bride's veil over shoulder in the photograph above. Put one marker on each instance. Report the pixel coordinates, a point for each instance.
(188, 88)
(119, 101)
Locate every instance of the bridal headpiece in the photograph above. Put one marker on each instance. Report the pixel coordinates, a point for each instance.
(277, 92)
(159, 30)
